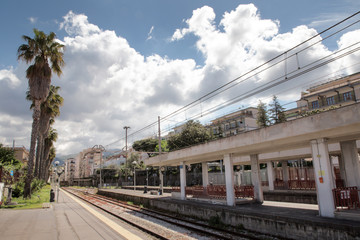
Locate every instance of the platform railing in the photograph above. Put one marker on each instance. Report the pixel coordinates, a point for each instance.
(217, 191)
(346, 198)
(302, 184)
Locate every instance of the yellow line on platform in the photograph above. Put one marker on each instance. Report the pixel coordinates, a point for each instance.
(122, 231)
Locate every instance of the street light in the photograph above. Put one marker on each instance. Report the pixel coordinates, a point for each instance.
(134, 163)
(162, 169)
(147, 180)
(58, 173)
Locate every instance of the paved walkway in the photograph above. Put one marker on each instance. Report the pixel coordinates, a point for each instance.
(68, 219)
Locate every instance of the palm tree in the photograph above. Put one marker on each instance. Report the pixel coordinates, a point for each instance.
(48, 153)
(45, 55)
(49, 110)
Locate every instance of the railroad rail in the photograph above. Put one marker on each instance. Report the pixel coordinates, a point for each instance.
(189, 227)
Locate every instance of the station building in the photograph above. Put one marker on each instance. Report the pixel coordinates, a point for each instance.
(329, 138)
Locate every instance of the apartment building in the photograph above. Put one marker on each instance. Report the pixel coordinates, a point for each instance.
(234, 123)
(86, 162)
(69, 170)
(21, 154)
(339, 92)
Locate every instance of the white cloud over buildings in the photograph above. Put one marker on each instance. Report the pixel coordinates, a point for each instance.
(107, 84)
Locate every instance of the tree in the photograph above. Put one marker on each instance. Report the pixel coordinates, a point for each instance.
(193, 133)
(8, 163)
(145, 145)
(164, 146)
(49, 110)
(45, 55)
(262, 115)
(277, 114)
(7, 156)
(48, 154)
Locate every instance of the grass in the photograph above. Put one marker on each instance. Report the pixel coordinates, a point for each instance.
(36, 201)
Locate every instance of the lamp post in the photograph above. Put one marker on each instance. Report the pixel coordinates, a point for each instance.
(58, 173)
(134, 163)
(162, 169)
(147, 180)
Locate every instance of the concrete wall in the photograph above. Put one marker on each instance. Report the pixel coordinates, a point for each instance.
(308, 197)
(276, 225)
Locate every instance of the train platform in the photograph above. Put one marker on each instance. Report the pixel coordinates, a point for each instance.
(68, 219)
(283, 219)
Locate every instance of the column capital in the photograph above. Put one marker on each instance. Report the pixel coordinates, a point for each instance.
(318, 140)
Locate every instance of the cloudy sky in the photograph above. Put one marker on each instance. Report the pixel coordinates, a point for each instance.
(128, 62)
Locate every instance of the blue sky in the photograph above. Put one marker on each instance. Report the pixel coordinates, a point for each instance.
(134, 19)
(128, 62)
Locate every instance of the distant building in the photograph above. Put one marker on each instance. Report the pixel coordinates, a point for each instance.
(339, 92)
(21, 154)
(235, 123)
(86, 162)
(69, 170)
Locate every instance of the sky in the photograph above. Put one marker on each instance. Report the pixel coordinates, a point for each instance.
(128, 62)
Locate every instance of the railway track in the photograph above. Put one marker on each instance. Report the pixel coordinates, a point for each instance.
(158, 224)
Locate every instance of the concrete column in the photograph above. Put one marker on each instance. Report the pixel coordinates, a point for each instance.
(255, 178)
(351, 164)
(182, 181)
(205, 174)
(270, 173)
(323, 177)
(161, 178)
(238, 178)
(229, 179)
(342, 169)
(285, 171)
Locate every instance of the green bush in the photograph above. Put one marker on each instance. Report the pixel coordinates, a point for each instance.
(37, 185)
(18, 189)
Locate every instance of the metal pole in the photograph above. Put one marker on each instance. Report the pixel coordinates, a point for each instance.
(159, 135)
(134, 179)
(126, 129)
(101, 170)
(160, 172)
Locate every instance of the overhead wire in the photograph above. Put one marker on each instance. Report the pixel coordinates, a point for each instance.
(228, 85)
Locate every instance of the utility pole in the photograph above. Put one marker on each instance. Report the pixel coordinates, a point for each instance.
(160, 169)
(126, 129)
(159, 135)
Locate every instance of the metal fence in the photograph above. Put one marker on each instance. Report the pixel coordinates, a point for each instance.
(216, 191)
(347, 197)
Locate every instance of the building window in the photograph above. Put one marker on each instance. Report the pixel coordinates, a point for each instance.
(233, 125)
(330, 101)
(315, 104)
(347, 96)
(227, 126)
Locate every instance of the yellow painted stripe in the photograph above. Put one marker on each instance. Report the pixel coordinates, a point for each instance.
(122, 231)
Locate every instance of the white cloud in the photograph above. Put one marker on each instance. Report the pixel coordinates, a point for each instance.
(107, 84)
(32, 20)
(9, 77)
(150, 33)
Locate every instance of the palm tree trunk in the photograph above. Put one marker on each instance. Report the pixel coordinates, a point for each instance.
(34, 134)
(46, 164)
(38, 156)
(46, 170)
